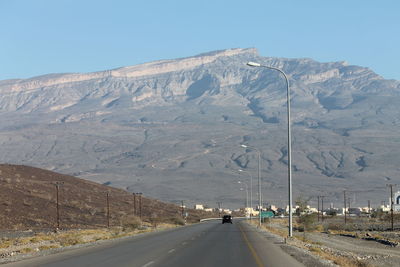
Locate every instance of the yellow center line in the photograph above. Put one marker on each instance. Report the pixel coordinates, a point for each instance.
(252, 250)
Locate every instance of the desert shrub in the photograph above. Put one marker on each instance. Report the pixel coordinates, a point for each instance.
(48, 247)
(319, 228)
(387, 217)
(130, 222)
(306, 221)
(70, 240)
(26, 250)
(302, 203)
(177, 220)
(5, 243)
(154, 220)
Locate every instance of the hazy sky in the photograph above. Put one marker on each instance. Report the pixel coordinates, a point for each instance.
(51, 36)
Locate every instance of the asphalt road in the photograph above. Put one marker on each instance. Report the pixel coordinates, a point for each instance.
(206, 244)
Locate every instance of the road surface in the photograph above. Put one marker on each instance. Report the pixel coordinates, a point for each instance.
(205, 244)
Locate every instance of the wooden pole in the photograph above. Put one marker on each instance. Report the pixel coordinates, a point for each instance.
(108, 211)
(345, 213)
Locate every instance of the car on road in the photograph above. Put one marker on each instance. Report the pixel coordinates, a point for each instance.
(227, 219)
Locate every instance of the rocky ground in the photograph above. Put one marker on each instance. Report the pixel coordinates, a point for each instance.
(344, 248)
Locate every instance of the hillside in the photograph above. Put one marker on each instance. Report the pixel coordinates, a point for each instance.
(173, 128)
(28, 201)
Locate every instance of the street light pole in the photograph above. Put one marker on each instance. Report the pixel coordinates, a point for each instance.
(259, 183)
(289, 141)
(247, 193)
(251, 190)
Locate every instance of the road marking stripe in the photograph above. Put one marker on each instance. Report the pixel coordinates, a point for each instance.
(184, 243)
(148, 264)
(252, 250)
(172, 250)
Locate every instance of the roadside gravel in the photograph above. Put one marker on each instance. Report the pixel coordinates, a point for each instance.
(302, 255)
(374, 253)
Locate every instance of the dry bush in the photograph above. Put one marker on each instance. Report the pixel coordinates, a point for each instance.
(5, 243)
(340, 260)
(177, 221)
(48, 247)
(154, 220)
(69, 239)
(130, 222)
(26, 250)
(41, 237)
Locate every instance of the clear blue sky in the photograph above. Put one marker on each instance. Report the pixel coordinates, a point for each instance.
(51, 36)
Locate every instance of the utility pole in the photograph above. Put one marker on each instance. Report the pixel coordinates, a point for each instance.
(108, 210)
(391, 204)
(322, 208)
(369, 208)
(345, 213)
(57, 185)
(137, 211)
(182, 210)
(219, 208)
(318, 208)
(134, 204)
(140, 206)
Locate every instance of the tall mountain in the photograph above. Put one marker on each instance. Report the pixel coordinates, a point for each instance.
(173, 128)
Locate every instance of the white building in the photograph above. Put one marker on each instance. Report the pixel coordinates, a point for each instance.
(385, 208)
(273, 208)
(198, 207)
(396, 201)
(312, 209)
(227, 211)
(250, 211)
(294, 208)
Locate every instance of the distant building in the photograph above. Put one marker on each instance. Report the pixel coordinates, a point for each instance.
(313, 210)
(250, 211)
(198, 207)
(396, 200)
(294, 208)
(385, 208)
(208, 209)
(354, 211)
(227, 211)
(273, 208)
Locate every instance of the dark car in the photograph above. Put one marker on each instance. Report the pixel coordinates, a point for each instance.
(227, 219)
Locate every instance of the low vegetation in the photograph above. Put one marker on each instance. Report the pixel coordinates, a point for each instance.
(50, 240)
(306, 223)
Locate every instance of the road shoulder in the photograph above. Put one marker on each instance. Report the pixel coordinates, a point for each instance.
(300, 257)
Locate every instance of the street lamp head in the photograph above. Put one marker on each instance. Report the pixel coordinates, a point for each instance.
(253, 64)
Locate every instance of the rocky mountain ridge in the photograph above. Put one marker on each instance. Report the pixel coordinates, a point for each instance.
(173, 128)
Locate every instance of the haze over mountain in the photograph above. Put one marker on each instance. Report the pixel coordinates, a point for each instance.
(172, 129)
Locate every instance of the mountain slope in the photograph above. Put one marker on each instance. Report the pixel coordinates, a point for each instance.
(173, 128)
(28, 201)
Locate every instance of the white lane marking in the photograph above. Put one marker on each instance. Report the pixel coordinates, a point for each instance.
(172, 250)
(148, 264)
(184, 243)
